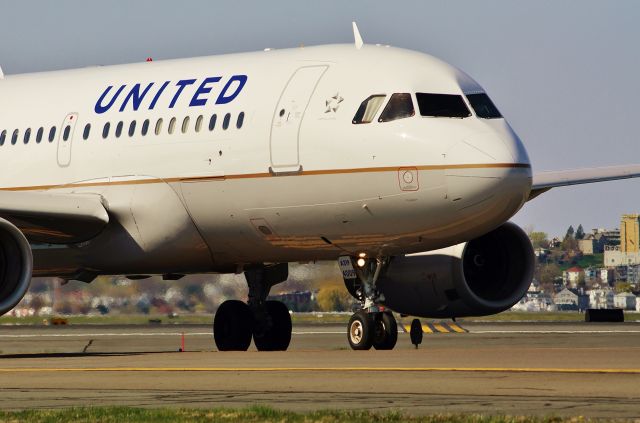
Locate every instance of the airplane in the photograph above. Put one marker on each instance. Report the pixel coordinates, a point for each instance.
(391, 161)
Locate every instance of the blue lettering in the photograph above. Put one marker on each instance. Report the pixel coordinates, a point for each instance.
(158, 94)
(203, 89)
(99, 107)
(135, 96)
(180, 84)
(223, 98)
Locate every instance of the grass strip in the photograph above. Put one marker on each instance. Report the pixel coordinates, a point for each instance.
(252, 414)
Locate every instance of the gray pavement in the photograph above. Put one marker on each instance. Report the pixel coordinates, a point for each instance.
(513, 368)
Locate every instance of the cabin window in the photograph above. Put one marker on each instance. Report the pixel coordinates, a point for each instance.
(145, 127)
(483, 106)
(225, 122)
(368, 109)
(119, 127)
(212, 122)
(67, 131)
(87, 130)
(240, 120)
(52, 134)
(199, 123)
(172, 125)
(39, 134)
(105, 130)
(14, 137)
(3, 136)
(132, 128)
(185, 125)
(400, 106)
(27, 135)
(442, 105)
(159, 126)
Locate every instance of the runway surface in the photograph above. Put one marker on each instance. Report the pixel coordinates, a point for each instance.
(495, 368)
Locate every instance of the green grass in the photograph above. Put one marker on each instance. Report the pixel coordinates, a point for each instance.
(250, 414)
(595, 260)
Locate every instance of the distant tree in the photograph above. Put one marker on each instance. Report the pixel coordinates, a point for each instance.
(546, 274)
(569, 242)
(570, 232)
(623, 287)
(539, 239)
(334, 299)
(580, 232)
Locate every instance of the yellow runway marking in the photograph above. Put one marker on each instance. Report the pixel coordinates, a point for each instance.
(320, 369)
(440, 328)
(456, 328)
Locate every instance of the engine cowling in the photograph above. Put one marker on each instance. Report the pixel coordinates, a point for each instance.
(483, 276)
(16, 266)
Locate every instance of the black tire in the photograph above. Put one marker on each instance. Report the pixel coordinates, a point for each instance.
(278, 337)
(232, 326)
(386, 331)
(360, 331)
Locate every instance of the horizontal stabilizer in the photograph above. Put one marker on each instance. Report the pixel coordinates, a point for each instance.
(544, 181)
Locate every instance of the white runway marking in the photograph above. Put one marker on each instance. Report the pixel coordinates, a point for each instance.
(86, 334)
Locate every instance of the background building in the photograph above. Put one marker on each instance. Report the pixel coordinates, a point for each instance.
(630, 233)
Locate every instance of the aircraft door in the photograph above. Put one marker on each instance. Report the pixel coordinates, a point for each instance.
(65, 139)
(287, 118)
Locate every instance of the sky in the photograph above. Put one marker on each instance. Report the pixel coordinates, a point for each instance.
(565, 74)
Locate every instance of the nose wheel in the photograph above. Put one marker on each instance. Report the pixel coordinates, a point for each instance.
(372, 326)
(372, 329)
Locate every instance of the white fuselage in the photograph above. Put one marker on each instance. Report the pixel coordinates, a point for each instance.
(297, 181)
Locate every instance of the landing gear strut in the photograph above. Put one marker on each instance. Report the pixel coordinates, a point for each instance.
(372, 325)
(268, 322)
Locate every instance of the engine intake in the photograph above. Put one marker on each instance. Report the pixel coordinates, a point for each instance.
(483, 276)
(16, 266)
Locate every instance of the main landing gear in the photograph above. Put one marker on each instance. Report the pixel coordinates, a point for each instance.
(372, 325)
(267, 322)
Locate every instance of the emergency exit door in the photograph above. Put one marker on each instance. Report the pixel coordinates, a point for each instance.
(65, 139)
(287, 118)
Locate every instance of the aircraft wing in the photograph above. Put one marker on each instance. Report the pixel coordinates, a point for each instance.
(544, 181)
(54, 218)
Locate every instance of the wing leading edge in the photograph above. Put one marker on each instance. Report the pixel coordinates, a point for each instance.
(544, 181)
(54, 218)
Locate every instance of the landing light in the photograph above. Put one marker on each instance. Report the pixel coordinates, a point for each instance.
(362, 255)
(361, 262)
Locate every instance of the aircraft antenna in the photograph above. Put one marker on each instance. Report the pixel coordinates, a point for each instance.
(1, 73)
(356, 36)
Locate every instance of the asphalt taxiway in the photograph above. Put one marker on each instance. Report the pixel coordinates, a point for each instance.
(497, 368)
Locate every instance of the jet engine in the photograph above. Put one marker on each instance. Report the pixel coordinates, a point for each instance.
(16, 265)
(483, 276)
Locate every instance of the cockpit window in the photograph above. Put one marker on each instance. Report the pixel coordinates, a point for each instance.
(399, 106)
(442, 105)
(368, 109)
(483, 106)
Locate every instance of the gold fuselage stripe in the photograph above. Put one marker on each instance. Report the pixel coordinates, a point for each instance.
(270, 175)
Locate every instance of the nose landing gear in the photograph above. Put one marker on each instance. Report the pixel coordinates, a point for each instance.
(372, 325)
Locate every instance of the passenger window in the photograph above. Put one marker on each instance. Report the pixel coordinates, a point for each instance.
(119, 127)
(145, 127)
(87, 130)
(368, 109)
(67, 131)
(3, 136)
(199, 123)
(212, 122)
(132, 128)
(185, 125)
(105, 130)
(400, 106)
(442, 105)
(225, 122)
(240, 120)
(27, 135)
(159, 126)
(172, 125)
(14, 137)
(483, 106)
(52, 134)
(39, 134)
